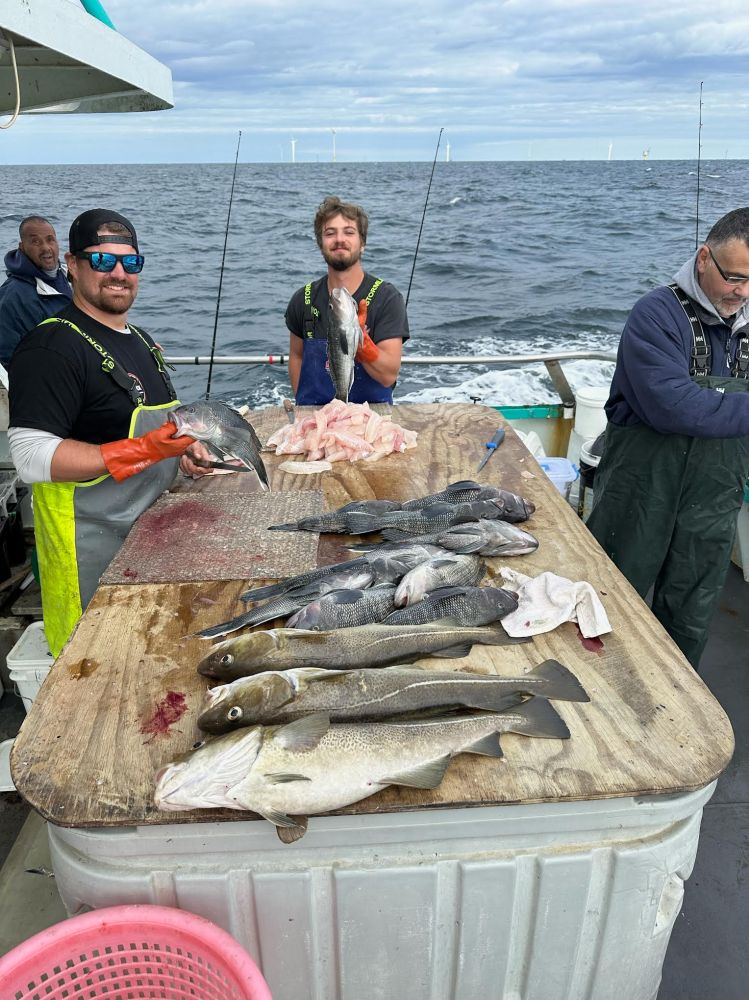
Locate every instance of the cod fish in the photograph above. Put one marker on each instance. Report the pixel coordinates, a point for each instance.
(345, 609)
(309, 766)
(440, 571)
(355, 577)
(334, 522)
(344, 340)
(224, 431)
(364, 645)
(466, 605)
(348, 695)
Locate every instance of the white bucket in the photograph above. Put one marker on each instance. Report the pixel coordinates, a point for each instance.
(590, 416)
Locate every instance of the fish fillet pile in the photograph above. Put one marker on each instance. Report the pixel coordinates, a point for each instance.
(341, 432)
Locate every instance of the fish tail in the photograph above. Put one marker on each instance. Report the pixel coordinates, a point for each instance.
(495, 635)
(249, 618)
(536, 717)
(361, 523)
(561, 684)
(260, 593)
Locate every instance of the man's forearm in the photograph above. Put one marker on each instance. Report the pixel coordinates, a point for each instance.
(388, 363)
(76, 462)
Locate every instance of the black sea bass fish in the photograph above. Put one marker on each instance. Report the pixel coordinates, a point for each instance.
(224, 431)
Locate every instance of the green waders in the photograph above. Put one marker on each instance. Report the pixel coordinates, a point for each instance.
(665, 510)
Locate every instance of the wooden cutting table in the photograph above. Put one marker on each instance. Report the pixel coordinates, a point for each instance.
(122, 699)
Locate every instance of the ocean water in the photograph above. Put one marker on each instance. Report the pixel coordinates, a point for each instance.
(515, 257)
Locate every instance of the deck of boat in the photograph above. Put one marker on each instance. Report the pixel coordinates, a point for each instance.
(707, 956)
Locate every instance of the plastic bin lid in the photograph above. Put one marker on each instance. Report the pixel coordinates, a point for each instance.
(32, 646)
(559, 468)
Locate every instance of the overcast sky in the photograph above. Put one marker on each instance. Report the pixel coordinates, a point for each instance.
(513, 80)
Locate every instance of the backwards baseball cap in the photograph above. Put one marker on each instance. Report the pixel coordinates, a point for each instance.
(85, 230)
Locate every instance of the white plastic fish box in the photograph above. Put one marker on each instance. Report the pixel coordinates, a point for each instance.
(29, 662)
(555, 901)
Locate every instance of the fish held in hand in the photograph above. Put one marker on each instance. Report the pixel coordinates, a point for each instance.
(224, 431)
(345, 337)
(311, 766)
(364, 645)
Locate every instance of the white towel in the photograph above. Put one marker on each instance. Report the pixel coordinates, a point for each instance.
(547, 600)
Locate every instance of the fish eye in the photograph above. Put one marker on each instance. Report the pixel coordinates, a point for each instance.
(197, 745)
(235, 712)
(226, 659)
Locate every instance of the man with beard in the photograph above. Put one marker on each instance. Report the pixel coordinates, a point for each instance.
(671, 481)
(37, 285)
(89, 401)
(341, 232)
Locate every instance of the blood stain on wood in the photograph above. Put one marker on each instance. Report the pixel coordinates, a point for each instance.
(593, 645)
(169, 710)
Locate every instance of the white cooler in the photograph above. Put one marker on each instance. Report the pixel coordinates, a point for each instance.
(554, 901)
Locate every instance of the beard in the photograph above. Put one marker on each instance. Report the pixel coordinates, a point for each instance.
(340, 262)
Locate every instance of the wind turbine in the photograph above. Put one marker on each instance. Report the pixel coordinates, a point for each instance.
(333, 131)
(293, 150)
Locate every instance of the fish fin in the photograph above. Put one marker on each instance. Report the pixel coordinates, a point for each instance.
(425, 776)
(455, 652)
(466, 518)
(277, 818)
(304, 734)
(283, 777)
(491, 700)
(397, 534)
(437, 508)
(487, 746)
(441, 593)
(538, 718)
(249, 618)
(444, 561)
(309, 635)
(447, 540)
(495, 635)
(362, 546)
(360, 523)
(343, 343)
(260, 593)
(562, 684)
(291, 526)
(344, 596)
(290, 834)
(248, 456)
(463, 484)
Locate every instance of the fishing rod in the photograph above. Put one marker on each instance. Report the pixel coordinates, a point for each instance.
(221, 275)
(426, 202)
(699, 157)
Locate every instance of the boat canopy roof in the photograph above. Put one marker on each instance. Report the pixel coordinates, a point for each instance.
(72, 63)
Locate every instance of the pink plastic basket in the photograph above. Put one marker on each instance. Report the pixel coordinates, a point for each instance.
(131, 953)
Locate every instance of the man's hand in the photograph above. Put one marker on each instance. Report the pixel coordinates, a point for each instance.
(129, 456)
(196, 453)
(369, 351)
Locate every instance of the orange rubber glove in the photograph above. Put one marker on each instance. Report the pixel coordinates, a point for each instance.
(132, 455)
(369, 351)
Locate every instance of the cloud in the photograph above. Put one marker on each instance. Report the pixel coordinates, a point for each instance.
(572, 71)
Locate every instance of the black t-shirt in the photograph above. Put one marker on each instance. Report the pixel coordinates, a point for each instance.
(57, 383)
(386, 314)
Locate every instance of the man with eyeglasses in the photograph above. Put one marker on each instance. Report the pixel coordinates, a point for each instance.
(671, 480)
(89, 401)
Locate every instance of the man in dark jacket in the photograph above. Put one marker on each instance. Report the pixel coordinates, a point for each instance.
(671, 480)
(37, 285)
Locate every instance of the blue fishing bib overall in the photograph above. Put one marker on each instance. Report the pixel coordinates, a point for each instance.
(315, 384)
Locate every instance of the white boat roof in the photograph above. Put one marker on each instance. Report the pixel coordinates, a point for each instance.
(69, 62)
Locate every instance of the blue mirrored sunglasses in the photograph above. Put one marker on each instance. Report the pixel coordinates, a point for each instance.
(132, 263)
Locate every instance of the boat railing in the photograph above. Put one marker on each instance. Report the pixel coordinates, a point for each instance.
(551, 361)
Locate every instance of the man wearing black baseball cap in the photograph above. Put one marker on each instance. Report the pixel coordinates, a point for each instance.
(89, 401)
